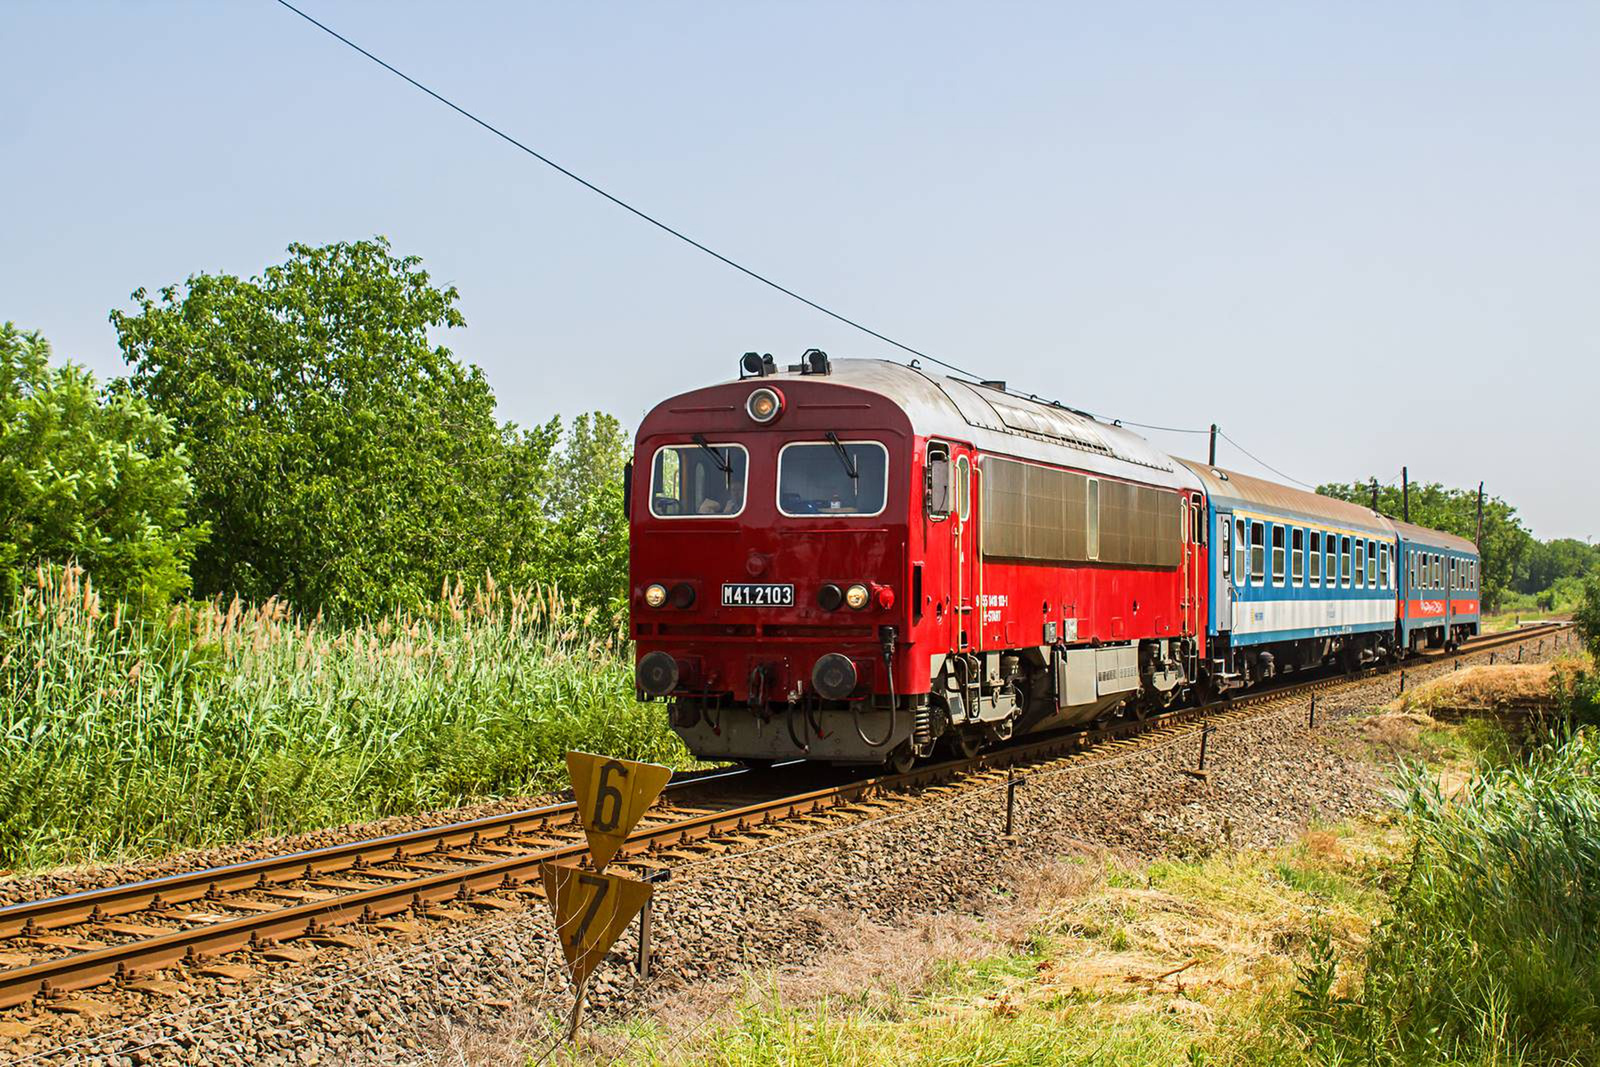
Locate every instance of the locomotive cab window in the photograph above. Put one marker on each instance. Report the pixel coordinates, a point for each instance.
(963, 488)
(832, 477)
(699, 480)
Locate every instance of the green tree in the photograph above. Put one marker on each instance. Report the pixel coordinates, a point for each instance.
(346, 461)
(1548, 562)
(1587, 617)
(589, 531)
(87, 477)
(1505, 542)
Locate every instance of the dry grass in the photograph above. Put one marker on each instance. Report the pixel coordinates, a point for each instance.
(1486, 688)
(1161, 956)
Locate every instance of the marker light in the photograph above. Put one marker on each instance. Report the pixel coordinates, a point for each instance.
(856, 597)
(885, 597)
(764, 405)
(655, 595)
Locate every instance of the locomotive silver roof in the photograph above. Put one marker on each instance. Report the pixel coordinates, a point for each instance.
(1004, 423)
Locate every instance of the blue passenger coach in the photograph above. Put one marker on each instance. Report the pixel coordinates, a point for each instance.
(1439, 588)
(1297, 580)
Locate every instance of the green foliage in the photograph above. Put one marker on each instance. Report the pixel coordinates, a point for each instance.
(225, 723)
(345, 461)
(1551, 565)
(86, 477)
(1505, 542)
(1491, 953)
(1587, 616)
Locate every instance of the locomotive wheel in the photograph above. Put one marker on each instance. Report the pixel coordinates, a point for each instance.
(963, 742)
(902, 759)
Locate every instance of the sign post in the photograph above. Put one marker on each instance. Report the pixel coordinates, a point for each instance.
(592, 908)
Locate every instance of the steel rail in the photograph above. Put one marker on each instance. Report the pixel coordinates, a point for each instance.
(92, 904)
(515, 873)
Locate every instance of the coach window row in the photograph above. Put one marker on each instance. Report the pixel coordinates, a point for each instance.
(1433, 570)
(1304, 557)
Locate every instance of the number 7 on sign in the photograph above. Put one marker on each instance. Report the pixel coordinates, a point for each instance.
(611, 795)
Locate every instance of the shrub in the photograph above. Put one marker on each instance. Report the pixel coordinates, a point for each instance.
(1492, 951)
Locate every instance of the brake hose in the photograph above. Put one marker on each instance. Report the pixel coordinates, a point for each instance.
(894, 705)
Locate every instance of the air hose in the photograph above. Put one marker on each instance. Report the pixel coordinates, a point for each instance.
(888, 635)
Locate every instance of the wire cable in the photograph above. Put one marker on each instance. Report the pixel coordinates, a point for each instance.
(1265, 464)
(619, 202)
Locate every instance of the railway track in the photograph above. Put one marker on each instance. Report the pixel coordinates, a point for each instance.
(224, 922)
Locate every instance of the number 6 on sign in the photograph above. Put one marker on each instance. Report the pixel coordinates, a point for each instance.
(611, 795)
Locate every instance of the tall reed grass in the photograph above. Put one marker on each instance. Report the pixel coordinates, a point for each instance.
(120, 736)
(1491, 954)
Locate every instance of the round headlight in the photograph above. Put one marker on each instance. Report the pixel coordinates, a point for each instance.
(655, 595)
(763, 405)
(856, 597)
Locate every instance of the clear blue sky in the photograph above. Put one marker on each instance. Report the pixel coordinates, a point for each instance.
(1356, 235)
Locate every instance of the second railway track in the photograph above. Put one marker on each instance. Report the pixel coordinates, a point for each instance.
(271, 910)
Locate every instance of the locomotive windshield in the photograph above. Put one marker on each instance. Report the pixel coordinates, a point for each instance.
(833, 477)
(701, 479)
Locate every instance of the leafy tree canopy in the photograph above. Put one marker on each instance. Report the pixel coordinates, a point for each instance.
(1549, 562)
(348, 462)
(1505, 542)
(99, 479)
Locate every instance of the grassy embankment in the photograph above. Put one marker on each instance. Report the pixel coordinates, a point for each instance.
(1464, 930)
(224, 723)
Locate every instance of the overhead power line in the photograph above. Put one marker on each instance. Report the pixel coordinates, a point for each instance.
(686, 239)
(1265, 464)
(593, 188)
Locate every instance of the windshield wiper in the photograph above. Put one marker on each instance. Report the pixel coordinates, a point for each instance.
(844, 457)
(719, 458)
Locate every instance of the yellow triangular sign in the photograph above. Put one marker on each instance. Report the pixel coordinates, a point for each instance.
(591, 912)
(611, 795)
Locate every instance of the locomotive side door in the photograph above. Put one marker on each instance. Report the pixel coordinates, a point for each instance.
(1194, 565)
(965, 573)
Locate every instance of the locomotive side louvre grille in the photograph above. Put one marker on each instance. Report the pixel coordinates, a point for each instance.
(1041, 513)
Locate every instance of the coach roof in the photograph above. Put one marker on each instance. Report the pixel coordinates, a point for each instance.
(1422, 535)
(1230, 489)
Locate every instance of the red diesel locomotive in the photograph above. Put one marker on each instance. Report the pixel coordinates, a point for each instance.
(855, 560)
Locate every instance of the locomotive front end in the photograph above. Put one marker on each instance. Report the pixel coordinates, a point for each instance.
(768, 566)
